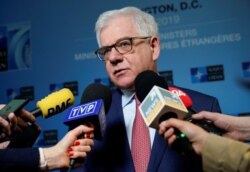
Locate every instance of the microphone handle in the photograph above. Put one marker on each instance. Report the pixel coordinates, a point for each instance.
(72, 160)
(205, 124)
(36, 112)
(182, 144)
(71, 164)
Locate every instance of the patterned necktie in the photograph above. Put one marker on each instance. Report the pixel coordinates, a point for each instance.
(140, 142)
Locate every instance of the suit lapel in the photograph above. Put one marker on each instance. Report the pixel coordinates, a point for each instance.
(117, 136)
(157, 152)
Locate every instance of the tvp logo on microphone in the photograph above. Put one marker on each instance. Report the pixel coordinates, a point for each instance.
(82, 110)
(158, 102)
(91, 113)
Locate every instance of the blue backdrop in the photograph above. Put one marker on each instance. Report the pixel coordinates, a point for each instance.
(46, 45)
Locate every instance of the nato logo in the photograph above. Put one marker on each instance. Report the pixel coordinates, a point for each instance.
(199, 74)
(207, 74)
(246, 69)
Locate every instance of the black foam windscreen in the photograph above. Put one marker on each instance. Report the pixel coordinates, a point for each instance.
(145, 81)
(96, 91)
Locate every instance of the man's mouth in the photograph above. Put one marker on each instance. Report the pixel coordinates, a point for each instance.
(119, 72)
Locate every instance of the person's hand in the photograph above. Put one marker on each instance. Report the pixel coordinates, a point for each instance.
(195, 134)
(7, 126)
(237, 128)
(16, 122)
(23, 118)
(68, 147)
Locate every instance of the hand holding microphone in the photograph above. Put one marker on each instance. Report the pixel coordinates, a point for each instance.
(14, 116)
(14, 123)
(57, 156)
(95, 102)
(159, 104)
(234, 127)
(206, 124)
(198, 134)
(52, 104)
(195, 134)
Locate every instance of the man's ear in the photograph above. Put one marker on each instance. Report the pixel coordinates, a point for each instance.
(155, 47)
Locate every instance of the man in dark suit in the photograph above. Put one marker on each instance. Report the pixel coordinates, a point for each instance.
(129, 44)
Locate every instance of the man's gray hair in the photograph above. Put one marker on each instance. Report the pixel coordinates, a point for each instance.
(145, 23)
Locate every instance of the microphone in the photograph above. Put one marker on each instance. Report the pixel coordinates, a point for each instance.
(183, 96)
(206, 125)
(95, 102)
(187, 101)
(52, 104)
(159, 104)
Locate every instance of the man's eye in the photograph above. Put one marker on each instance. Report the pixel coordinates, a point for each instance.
(124, 44)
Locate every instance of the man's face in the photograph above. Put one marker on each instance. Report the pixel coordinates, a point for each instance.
(123, 68)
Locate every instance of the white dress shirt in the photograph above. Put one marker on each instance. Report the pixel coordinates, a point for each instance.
(128, 106)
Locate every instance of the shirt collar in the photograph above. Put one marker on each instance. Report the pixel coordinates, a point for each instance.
(127, 97)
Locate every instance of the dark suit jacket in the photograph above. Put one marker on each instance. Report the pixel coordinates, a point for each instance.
(19, 159)
(112, 154)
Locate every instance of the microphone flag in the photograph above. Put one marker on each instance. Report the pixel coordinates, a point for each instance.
(158, 102)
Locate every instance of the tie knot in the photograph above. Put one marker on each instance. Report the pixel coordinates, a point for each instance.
(137, 101)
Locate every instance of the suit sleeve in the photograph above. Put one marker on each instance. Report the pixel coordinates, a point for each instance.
(19, 159)
(224, 154)
(202, 101)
